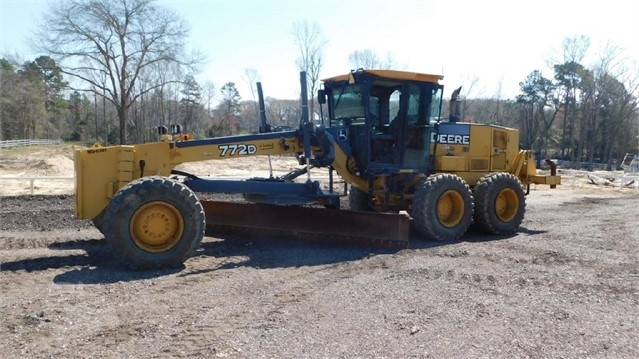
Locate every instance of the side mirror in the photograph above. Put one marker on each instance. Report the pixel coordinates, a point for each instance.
(321, 96)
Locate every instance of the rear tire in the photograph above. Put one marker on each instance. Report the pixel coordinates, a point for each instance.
(500, 203)
(358, 200)
(154, 222)
(442, 207)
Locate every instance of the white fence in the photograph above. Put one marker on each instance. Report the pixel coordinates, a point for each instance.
(46, 180)
(20, 143)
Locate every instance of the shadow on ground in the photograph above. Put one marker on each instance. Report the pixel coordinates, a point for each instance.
(98, 265)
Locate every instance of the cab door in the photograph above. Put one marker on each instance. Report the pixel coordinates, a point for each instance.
(416, 135)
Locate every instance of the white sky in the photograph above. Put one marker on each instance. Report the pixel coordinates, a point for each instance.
(496, 42)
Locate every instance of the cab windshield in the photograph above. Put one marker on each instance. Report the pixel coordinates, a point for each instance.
(347, 104)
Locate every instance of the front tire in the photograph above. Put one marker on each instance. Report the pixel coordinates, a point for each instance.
(154, 222)
(500, 203)
(98, 222)
(442, 207)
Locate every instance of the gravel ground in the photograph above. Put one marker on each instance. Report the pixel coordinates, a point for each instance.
(566, 286)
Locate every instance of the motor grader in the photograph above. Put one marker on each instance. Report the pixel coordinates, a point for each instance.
(380, 130)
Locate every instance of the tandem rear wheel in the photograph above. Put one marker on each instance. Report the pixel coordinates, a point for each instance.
(442, 207)
(154, 222)
(500, 203)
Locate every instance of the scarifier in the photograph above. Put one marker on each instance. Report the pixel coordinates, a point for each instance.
(380, 132)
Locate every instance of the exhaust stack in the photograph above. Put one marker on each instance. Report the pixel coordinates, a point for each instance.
(265, 126)
(456, 109)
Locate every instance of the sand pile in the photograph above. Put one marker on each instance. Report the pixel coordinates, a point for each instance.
(55, 166)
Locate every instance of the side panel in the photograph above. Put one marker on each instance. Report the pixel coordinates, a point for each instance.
(472, 150)
(101, 171)
(493, 148)
(455, 143)
(499, 161)
(95, 169)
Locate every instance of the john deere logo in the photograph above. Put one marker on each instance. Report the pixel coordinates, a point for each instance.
(341, 135)
(452, 134)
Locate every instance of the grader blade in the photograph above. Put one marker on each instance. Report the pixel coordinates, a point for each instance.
(380, 230)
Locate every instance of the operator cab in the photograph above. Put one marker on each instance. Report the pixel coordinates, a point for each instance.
(384, 118)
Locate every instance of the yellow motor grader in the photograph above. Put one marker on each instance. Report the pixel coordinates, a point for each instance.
(381, 132)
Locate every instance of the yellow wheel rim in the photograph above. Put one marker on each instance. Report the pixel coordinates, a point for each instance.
(156, 226)
(506, 204)
(450, 208)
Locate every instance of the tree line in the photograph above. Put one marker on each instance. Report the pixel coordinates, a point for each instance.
(36, 102)
(115, 70)
(578, 113)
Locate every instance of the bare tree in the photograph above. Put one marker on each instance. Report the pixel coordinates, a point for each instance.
(495, 116)
(209, 89)
(310, 42)
(161, 78)
(251, 76)
(615, 103)
(121, 39)
(368, 59)
(363, 59)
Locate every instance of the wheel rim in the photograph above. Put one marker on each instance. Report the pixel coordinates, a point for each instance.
(156, 226)
(450, 208)
(506, 204)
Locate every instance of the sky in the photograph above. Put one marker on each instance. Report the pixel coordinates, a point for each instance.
(494, 44)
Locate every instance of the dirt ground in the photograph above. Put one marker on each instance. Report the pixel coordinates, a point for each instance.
(565, 286)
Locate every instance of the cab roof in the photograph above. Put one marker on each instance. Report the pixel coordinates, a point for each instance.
(391, 75)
